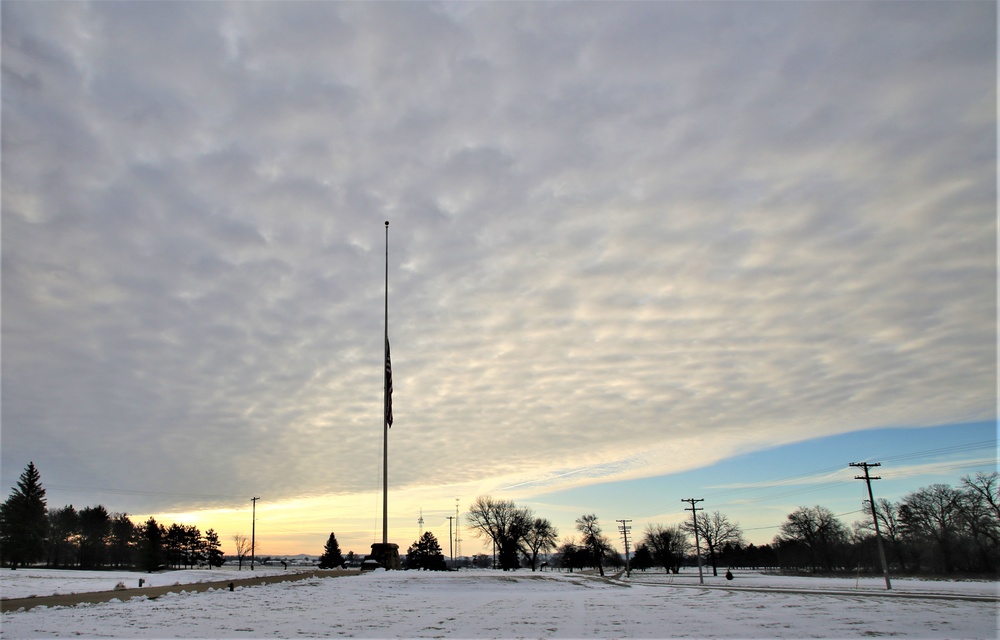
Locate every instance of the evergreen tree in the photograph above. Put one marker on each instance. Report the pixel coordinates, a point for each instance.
(174, 543)
(24, 523)
(151, 549)
(331, 558)
(64, 532)
(426, 553)
(213, 549)
(193, 546)
(121, 542)
(643, 558)
(95, 532)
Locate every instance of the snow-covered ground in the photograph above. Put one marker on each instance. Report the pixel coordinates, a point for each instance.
(490, 604)
(27, 583)
(755, 579)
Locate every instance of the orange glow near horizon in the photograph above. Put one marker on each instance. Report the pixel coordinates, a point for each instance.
(303, 525)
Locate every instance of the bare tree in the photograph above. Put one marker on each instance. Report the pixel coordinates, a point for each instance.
(504, 523)
(980, 518)
(715, 530)
(242, 548)
(983, 488)
(819, 530)
(667, 545)
(596, 544)
(932, 515)
(887, 513)
(540, 537)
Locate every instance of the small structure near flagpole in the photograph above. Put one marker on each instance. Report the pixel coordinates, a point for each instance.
(386, 553)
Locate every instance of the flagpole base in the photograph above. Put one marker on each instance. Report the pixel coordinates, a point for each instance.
(386, 554)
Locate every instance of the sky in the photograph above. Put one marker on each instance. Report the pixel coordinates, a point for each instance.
(629, 244)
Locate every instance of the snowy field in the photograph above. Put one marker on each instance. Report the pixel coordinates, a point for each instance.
(489, 604)
(27, 583)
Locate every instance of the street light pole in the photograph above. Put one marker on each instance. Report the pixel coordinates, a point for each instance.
(253, 531)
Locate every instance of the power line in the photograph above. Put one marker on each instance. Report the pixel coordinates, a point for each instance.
(958, 448)
(778, 526)
(728, 494)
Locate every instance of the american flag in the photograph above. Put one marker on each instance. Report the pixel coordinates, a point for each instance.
(388, 385)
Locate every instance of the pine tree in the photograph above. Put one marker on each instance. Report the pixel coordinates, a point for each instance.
(95, 531)
(213, 549)
(64, 531)
(23, 521)
(151, 546)
(426, 553)
(331, 558)
(122, 541)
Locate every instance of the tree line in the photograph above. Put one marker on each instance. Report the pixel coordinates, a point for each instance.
(935, 529)
(93, 538)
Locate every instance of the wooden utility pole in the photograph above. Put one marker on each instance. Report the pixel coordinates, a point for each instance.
(625, 529)
(458, 528)
(253, 531)
(871, 500)
(697, 544)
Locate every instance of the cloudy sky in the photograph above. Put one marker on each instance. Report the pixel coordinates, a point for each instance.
(627, 240)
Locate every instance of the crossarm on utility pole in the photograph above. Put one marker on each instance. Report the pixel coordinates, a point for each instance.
(625, 529)
(871, 500)
(697, 544)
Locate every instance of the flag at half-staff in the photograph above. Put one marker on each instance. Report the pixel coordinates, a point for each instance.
(388, 385)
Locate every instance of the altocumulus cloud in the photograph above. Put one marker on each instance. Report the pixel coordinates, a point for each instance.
(617, 230)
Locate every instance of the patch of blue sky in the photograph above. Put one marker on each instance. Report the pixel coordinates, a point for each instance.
(758, 489)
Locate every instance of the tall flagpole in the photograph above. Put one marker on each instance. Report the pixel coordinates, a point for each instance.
(385, 553)
(385, 403)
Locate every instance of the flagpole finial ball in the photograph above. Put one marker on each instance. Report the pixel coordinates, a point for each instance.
(387, 223)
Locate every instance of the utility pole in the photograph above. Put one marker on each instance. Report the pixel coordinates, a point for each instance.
(458, 529)
(253, 531)
(697, 544)
(625, 529)
(871, 500)
(451, 550)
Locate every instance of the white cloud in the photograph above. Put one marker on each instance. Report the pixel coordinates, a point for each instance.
(614, 228)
